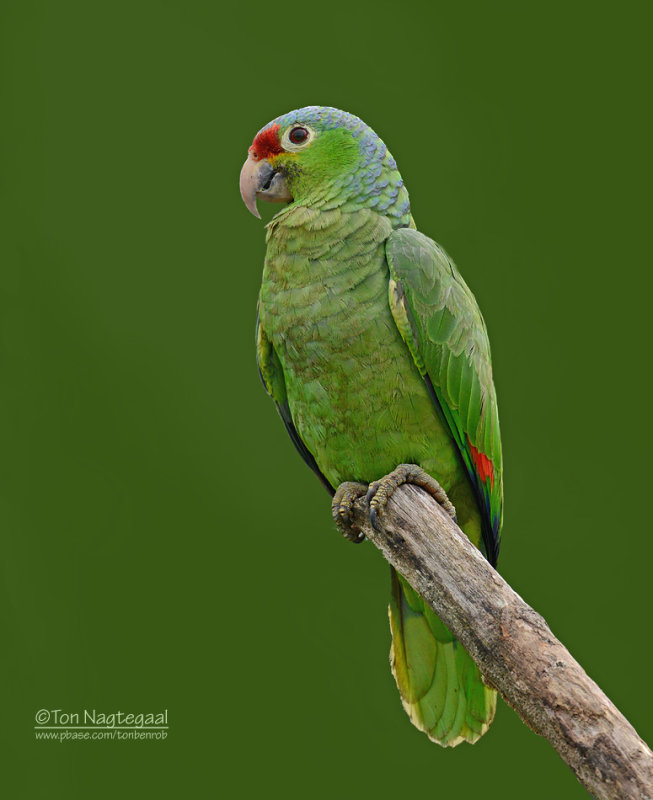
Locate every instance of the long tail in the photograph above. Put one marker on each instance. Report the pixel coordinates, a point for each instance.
(441, 687)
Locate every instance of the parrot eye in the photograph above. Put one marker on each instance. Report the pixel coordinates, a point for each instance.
(298, 135)
(297, 138)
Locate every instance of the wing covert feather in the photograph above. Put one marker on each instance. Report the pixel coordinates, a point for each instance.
(441, 323)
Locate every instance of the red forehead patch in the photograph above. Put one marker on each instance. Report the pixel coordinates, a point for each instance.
(266, 144)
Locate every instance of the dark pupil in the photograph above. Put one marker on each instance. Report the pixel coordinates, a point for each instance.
(298, 135)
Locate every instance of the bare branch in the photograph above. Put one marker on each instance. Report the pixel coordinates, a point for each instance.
(513, 646)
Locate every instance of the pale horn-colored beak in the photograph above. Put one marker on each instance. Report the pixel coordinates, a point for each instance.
(258, 179)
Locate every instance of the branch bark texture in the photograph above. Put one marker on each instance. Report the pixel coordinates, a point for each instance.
(513, 646)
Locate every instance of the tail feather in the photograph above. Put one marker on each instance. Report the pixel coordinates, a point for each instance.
(440, 685)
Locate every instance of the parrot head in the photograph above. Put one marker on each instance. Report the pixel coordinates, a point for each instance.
(321, 156)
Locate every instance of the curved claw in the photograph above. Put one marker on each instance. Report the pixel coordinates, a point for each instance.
(374, 520)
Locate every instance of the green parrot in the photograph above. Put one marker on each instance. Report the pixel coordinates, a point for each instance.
(377, 357)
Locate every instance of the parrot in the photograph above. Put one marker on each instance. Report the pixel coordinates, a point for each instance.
(377, 357)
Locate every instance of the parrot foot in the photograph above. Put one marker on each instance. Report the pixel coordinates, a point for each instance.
(343, 500)
(382, 490)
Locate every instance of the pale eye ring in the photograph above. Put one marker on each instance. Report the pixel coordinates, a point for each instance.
(298, 135)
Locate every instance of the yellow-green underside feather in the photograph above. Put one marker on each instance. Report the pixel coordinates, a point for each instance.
(440, 685)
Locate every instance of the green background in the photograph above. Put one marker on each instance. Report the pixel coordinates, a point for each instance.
(163, 546)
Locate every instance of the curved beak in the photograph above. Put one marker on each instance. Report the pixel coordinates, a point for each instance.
(259, 180)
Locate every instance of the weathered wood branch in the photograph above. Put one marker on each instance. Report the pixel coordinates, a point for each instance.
(513, 646)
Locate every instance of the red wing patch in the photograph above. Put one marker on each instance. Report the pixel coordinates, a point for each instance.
(266, 143)
(483, 465)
